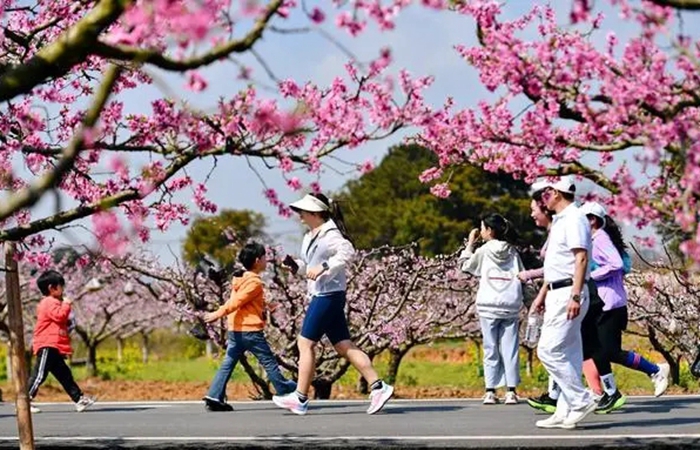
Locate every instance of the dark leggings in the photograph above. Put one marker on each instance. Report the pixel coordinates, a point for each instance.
(611, 324)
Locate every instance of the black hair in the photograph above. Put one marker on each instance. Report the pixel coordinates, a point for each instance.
(48, 279)
(502, 229)
(568, 196)
(537, 197)
(333, 213)
(250, 253)
(613, 230)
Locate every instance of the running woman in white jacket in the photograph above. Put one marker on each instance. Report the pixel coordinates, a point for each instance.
(325, 252)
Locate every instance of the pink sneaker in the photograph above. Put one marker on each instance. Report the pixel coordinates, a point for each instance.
(379, 397)
(291, 402)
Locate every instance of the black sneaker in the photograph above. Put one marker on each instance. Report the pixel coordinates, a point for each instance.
(544, 403)
(610, 403)
(212, 405)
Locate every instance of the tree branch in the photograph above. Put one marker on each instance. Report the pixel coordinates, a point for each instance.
(29, 195)
(59, 57)
(156, 57)
(689, 5)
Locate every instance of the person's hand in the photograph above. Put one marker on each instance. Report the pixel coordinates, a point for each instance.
(573, 309)
(521, 277)
(210, 317)
(68, 300)
(312, 273)
(474, 235)
(538, 304)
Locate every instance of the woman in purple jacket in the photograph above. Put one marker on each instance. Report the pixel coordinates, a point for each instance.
(608, 271)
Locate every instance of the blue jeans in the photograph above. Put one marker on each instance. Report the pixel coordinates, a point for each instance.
(254, 342)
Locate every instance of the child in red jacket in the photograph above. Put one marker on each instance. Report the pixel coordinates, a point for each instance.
(51, 341)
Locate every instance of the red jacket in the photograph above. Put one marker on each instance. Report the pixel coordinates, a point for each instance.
(51, 329)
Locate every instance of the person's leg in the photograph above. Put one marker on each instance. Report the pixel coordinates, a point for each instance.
(560, 351)
(40, 372)
(63, 374)
(593, 368)
(510, 356)
(493, 368)
(234, 349)
(259, 347)
(610, 336)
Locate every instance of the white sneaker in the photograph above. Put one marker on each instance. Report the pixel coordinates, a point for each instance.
(379, 397)
(34, 409)
(577, 415)
(291, 402)
(84, 403)
(490, 398)
(511, 398)
(554, 421)
(660, 379)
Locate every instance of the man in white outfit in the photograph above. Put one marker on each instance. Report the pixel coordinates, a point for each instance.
(565, 300)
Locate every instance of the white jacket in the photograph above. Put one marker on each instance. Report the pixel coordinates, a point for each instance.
(497, 264)
(328, 245)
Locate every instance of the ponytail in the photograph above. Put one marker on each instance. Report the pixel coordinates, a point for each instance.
(613, 230)
(502, 228)
(335, 214)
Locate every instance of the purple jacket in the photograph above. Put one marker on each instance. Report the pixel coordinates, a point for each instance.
(609, 271)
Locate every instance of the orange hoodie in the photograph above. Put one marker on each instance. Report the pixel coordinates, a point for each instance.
(246, 307)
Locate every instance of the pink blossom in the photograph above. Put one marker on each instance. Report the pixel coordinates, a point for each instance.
(440, 190)
(317, 15)
(195, 82)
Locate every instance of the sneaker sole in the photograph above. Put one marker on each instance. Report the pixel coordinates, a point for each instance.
(558, 425)
(667, 372)
(587, 412)
(615, 406)
(542, 407)
(381, 405)
(295, 411)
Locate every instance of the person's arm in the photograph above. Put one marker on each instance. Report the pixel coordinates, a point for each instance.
(532, 274)
(606, 257)
(246, 293)
(342, 252)
(56, 310)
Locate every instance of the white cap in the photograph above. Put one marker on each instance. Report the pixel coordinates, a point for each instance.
(594, 208)
(309, 203)
(561, 184)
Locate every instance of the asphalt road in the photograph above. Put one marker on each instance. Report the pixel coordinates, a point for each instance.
(644, 423)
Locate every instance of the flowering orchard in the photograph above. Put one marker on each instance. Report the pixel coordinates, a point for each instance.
(578, 98)
(67, 68)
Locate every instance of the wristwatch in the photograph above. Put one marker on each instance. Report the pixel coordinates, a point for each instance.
(325, 266)
(576, 298)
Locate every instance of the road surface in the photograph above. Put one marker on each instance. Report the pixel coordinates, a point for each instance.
(644, 423)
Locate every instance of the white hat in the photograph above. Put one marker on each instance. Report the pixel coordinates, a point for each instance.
(309, 203)
(561, 184)
(594, 208)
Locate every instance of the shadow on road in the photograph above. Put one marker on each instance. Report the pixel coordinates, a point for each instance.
(650, 423)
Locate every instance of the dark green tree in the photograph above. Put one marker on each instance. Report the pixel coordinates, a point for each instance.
(390, 205)
(219, 237)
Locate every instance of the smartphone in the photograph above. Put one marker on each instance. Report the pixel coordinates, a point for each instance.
(289, 262)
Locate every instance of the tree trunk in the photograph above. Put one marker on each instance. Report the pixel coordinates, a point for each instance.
(120, 349)
(145, 347)
(261, 385)
(395, 357)
(209, 349)
(530, 360)
(8, 362)
(322, 388)
(479, 359)
(668, 356)
(92, 360)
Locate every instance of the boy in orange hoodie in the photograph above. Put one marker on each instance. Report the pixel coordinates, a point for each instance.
(245, 311)
(51, 343)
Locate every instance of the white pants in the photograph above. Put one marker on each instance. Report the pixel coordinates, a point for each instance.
(561, 351)
(501, 362)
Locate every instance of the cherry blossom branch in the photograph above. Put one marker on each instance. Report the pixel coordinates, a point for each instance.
(29, 195)
(59, 57)
(690, 5)
(158, 59)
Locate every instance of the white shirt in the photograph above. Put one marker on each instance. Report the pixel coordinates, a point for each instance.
(570, 230)
(327, 245)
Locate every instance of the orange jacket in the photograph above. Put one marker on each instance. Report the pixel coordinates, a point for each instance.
(246, 306)
(51, 329)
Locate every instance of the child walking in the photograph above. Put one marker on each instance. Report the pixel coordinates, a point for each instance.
(245, 311)
(498, 303)
(51, 342)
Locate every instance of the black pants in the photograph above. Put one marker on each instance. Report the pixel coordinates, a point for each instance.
(611, 324)
(48, 359)
(590, 335)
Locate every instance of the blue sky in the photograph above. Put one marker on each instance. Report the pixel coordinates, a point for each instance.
(422, 43)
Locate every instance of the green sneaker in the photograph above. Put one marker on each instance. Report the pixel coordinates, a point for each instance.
(543, 403)
(610, 403)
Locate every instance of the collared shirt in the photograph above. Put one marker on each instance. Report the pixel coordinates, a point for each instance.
(608, 272)
(326, 245)
(570, 230)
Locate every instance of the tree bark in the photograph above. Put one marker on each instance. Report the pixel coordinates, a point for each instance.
(120, 349)
(8, 362)
(530, 361)
(19, 363)
(92, 359)
(209, 349)
(145, 347)
(668, 356)
(395, 357)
